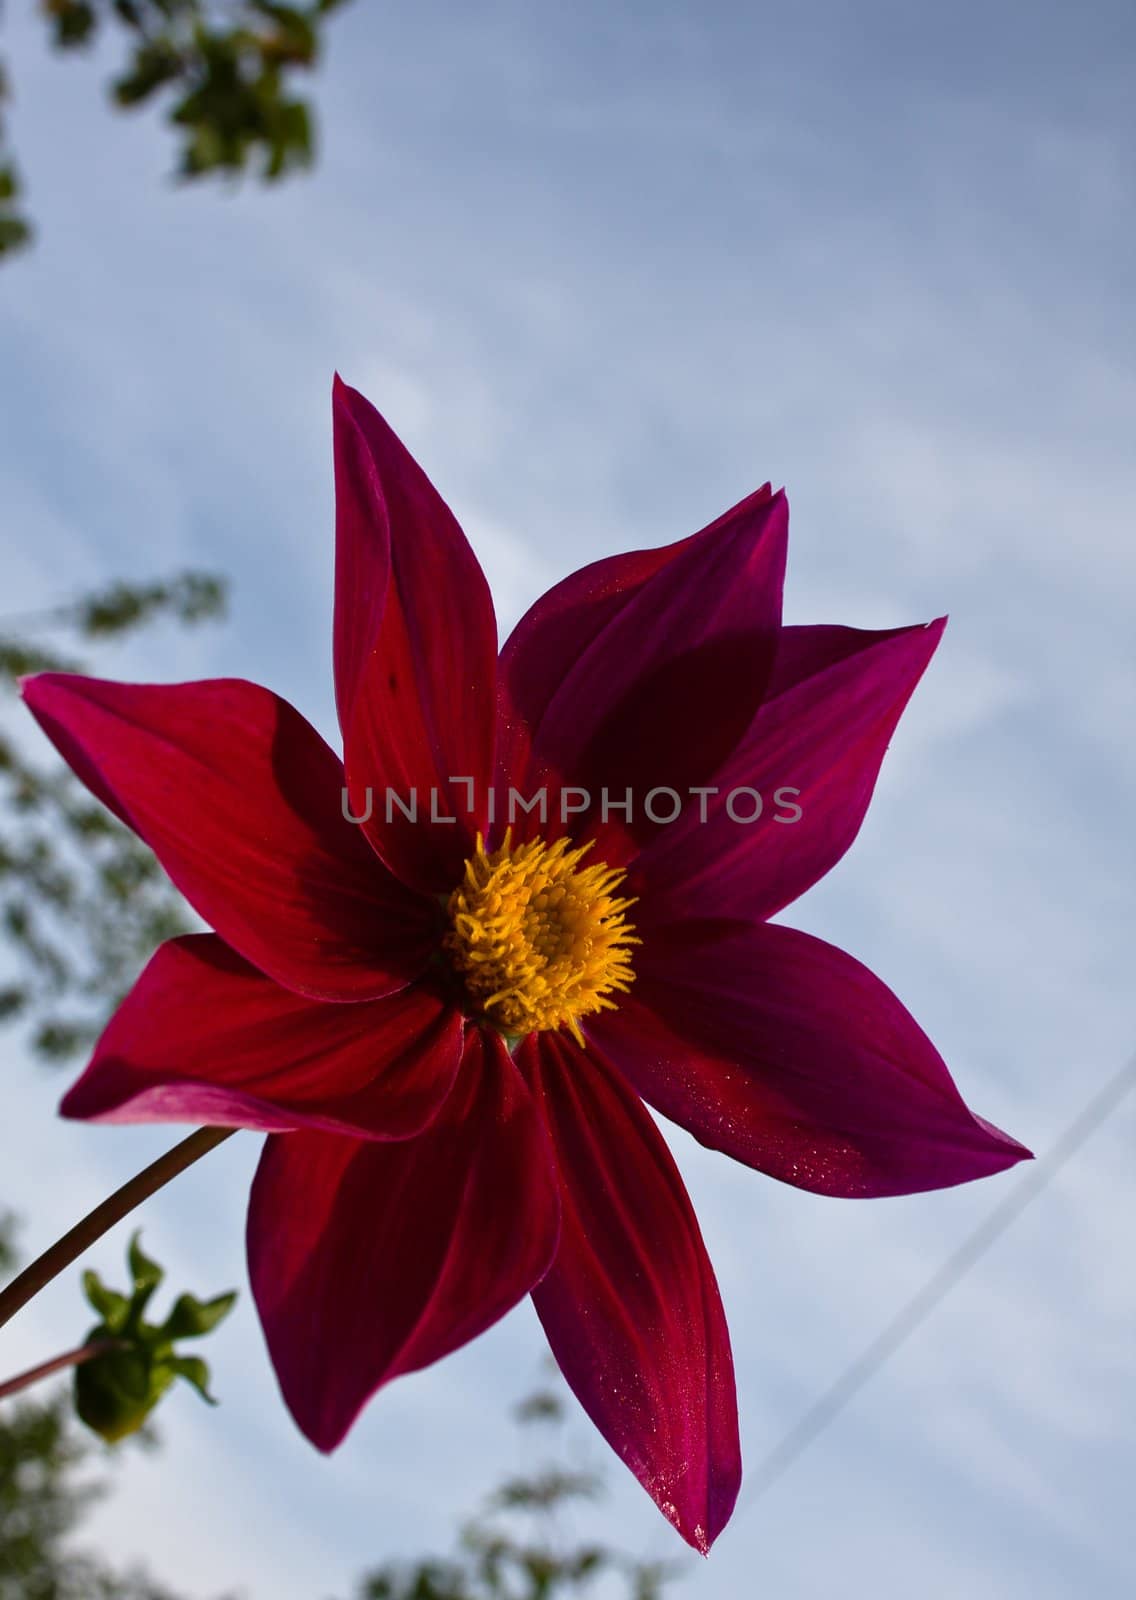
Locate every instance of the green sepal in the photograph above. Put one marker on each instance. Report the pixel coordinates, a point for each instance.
(147, 1274)
(191, 1317)
(112, 1307)
(195, 1372)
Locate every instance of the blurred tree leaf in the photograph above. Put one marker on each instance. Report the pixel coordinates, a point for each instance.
(543, 1405)
(188, 597)
(15, 230)
(516, 1548)
(73, 20)
(225, 73)
(83, 903)
(8, 1227)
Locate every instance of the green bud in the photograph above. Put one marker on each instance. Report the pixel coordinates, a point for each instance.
(117, 1389)
(116, 1392)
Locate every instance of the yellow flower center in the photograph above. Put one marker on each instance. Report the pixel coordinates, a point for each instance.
(539, 940)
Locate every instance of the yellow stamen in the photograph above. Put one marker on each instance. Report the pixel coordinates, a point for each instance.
(539, 940)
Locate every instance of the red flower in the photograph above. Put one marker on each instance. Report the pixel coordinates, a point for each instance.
(447, 1039)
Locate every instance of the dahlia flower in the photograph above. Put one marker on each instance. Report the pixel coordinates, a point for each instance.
(449, 973)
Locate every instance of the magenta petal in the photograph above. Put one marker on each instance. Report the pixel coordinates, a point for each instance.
(204, 1037)
(787, 1054)
(415, 653)
(813, 754)
(368, 1260)
(630, 1305)
(557, 628)
(666, 675)
(555, 631)
(241, 801)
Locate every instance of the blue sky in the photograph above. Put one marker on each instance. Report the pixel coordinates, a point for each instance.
(605, 274)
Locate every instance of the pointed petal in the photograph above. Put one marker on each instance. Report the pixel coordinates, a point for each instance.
(204, 1037)
(415, 652)
(812, 754)
(630, 1305)
(792, 1057)
(667, 672)
(556, 630)
(370, 1260)
(241, 801)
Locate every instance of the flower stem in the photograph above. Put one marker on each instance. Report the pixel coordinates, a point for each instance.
(72, 1358)
(116, 1206)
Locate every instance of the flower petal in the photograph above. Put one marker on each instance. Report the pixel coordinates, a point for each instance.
(204, 1037)
(630, 1305)
(670, 661)
(368, 1260)
(415, 652)
(556, 630)
(241, 801)
(792, 1057)
(812, 754)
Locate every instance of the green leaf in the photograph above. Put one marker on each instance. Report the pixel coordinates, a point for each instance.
(13, 999)
(154, 65)
(14, 233)
(541, 1406)
(189, 597)
(75, 22)
(57, 1040)
(587, 1561)
(295, 40)
(18, 659)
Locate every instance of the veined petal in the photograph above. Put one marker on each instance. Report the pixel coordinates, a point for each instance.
(670, 662)
(812, 754)
(415, 653)
(792, 1057)
(204, 1037)
(241, 801)
(368, 1260)
(630, 1305)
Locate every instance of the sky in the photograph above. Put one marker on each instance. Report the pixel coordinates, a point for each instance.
(605, 272)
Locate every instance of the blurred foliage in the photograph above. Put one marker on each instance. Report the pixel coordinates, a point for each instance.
(225, 71)
(516, 1548)
(83, 903)
(8, 1226)
(43, 1495)
(115, 1392)
(14, 228)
